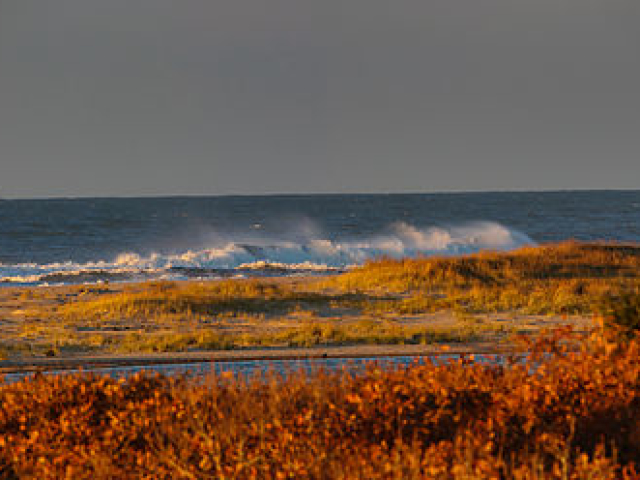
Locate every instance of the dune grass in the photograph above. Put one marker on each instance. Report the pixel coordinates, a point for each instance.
(170, 300)
(564, 279)
(306, 335)
(567, 278)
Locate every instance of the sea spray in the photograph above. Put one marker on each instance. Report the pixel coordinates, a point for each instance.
(303, 251)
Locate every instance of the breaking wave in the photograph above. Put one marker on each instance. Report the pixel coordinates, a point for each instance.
(274, 256)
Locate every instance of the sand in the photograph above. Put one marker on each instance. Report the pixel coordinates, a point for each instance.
(20, 306)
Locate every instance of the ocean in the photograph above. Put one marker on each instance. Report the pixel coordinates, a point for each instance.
(63, 241)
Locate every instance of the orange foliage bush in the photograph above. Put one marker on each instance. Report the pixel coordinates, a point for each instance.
(571, 410)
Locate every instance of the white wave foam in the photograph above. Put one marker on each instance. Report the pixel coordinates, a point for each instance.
(311, 253)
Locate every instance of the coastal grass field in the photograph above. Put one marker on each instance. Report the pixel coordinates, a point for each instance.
(464, 300)
(563, 402)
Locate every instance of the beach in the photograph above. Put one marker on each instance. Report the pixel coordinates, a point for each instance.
(37, 337)
(429, 350)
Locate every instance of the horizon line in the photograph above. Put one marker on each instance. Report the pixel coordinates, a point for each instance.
(303, 194)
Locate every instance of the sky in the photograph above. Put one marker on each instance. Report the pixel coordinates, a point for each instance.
(215, 97)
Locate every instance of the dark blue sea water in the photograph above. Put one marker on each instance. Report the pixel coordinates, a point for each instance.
(79, 240)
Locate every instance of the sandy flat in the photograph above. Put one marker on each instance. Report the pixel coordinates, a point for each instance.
(20, 303)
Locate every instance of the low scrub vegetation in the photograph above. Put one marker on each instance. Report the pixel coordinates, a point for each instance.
(622, 313)
(569, 411)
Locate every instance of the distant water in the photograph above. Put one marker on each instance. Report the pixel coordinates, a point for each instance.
(44, 242)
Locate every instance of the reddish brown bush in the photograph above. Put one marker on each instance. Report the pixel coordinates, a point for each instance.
(566, 413)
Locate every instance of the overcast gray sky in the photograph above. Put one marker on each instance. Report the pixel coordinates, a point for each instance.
(154, 97)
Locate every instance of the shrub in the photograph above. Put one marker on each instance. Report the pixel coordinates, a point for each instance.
(622, 313)
(563, 413)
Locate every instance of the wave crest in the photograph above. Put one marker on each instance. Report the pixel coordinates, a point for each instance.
(284, 256)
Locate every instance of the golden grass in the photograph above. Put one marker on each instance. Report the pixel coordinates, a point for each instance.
(567, 414)
(171, 301)
(166, 299)
(564, 278)
(305, 335)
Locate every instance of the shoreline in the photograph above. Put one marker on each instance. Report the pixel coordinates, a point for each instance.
(90, 362)
(123, 324)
